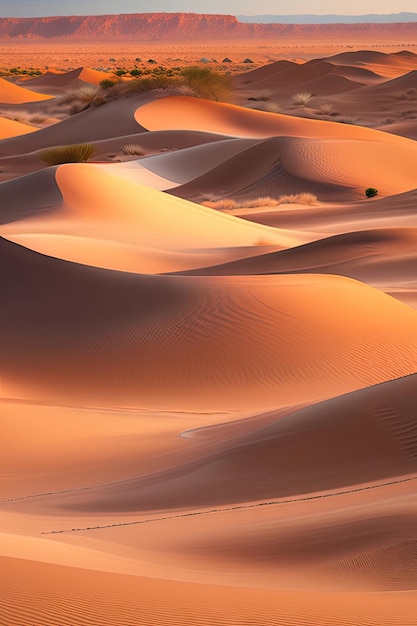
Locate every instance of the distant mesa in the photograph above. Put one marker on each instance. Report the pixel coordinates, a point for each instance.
(181, 26)
(248, 61)
(227, 60)
(204, 60)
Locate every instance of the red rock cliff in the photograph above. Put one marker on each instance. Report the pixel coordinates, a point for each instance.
(151, 26)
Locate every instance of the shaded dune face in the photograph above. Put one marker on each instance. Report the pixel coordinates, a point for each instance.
(321, 448)
(208, 349)
(362, 255)
(195, 335)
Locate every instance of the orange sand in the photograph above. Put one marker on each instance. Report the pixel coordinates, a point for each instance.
(208, 414)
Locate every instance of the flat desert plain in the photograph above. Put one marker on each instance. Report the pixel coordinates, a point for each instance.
(209, 347)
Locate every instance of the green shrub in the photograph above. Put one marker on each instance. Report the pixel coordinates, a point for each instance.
(371, 192)
(71, 153)
(208, 84)
(107, 83)
(142, 85)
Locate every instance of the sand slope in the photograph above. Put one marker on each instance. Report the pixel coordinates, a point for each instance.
(13, 94)
(273, 308)
(11, 128)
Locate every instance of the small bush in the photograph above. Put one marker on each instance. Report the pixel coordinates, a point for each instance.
(302, 98)
(208, 84)
(71, 153)
(84, 94)
(107, 83)
(132, 149)
(142, 85)
(371, 192)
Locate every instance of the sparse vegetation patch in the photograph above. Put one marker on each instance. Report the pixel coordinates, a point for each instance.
(228, 204)
(70, 153)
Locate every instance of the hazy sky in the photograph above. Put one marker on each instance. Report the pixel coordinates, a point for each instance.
(29, 8)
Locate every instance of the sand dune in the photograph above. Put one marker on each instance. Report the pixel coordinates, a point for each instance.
(266, 463)
(13, 94)
(267, 72)
(129, 231)
(395, 86)
(389, 65)
(11, 128)
(86, 74)
(208, 414)
(190, 114)
(405, 129)
(74, 595)
(274, 308)
(53, 82)
(363, 255)
(114, 119)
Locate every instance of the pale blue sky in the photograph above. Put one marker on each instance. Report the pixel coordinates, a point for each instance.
(29, 8)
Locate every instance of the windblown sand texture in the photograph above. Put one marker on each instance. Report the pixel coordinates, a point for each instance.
(208, 409)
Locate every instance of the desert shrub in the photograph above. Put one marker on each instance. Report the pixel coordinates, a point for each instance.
(107, 83)
(132, 149)
(84, 94)
(70, 153)
(371, 192)
(120, 72)
(208, 84)
(150, 83)
(135, 72)
(302, 98)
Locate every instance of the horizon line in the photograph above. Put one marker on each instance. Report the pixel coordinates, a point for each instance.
(216, 13)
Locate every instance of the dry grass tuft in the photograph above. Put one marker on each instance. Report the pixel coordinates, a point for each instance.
(272, 107)
(222, 205)
(302, 98)
(132, 149)
(326, 109)
(298, 198)
(71, 153)
(228, 204)
(84, 95)
(264, 95)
